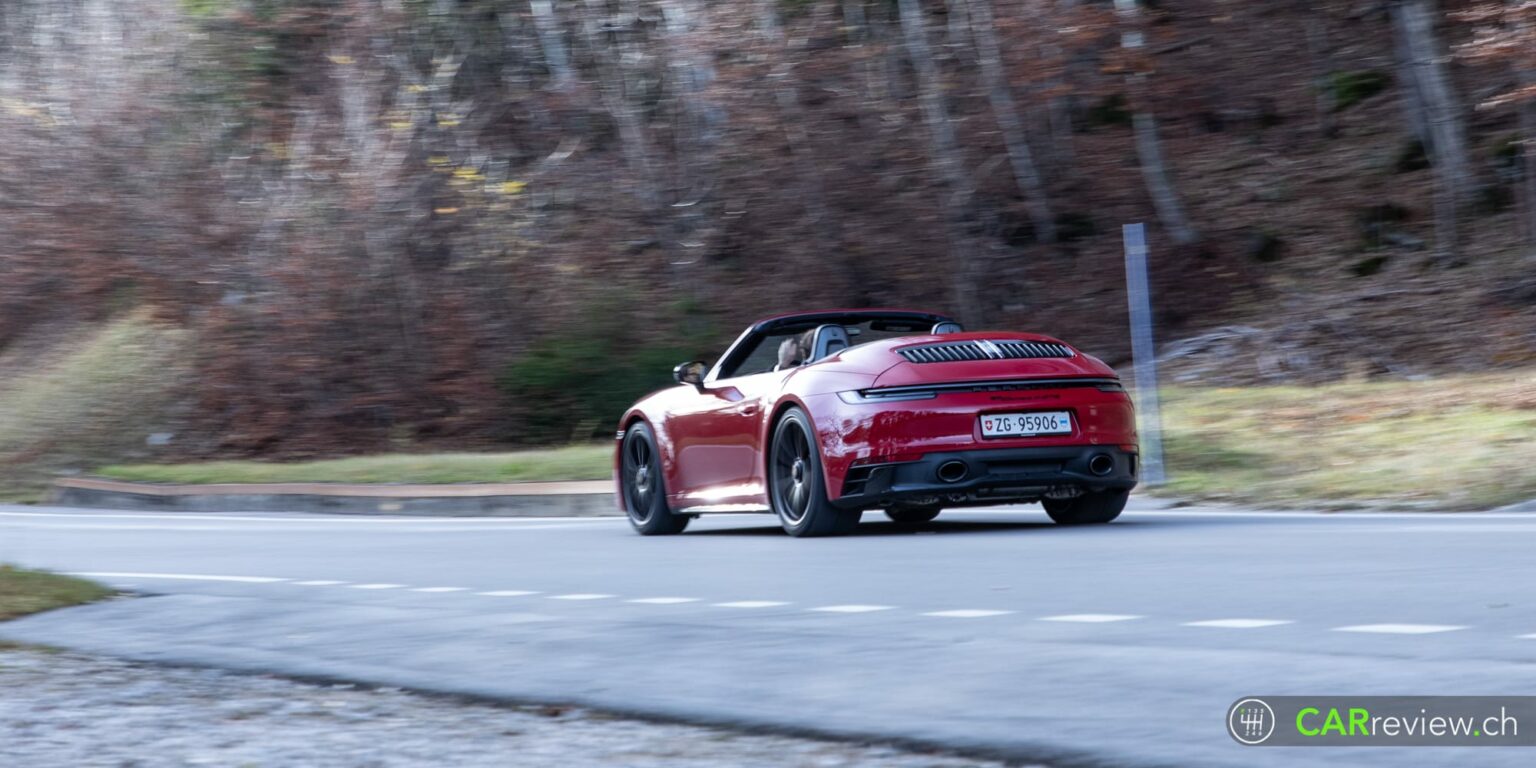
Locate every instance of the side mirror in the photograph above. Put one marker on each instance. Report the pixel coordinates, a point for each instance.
(691, 373)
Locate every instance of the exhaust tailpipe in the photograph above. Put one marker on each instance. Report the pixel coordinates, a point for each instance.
(1101, 464)
(953, 471)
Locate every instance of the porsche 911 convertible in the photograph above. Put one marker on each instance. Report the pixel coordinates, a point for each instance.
(819, 416)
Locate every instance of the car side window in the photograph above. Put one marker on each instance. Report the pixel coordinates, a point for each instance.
(763, 357)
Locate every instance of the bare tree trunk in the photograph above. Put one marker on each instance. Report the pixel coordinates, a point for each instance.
(1025, 172)
(956, 36)
(1414, 21)
(1321, 56)
(1149, 147)
(945, 157)
(1528, 163)
(1063, 105)
(612, 87)
(1165, 198)
(1410, 97)
(792, 119)
(552, 39)
(695, 130)
(854, 18)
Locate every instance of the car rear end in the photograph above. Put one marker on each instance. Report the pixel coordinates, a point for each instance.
(982, 419)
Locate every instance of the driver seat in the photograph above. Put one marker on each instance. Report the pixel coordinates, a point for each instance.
(829, 340)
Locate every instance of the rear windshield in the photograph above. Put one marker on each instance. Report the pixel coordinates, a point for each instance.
(764, 353)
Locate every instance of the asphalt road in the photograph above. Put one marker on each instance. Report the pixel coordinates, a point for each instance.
(1116, 645)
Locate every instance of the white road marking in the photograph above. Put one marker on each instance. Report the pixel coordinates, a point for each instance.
(177, 576)
(581, 596)
(1090, 618)
(851, 608)
(377, 586)
(1400, 629)
(967, 614)
(751, 604)
(1528, 637)
(440, 589)
(1239, 623)
(1466, 529)
(664, 600)
(319, 583)
(507, 593)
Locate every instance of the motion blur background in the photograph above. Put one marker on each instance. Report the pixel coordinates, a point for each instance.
(295, 229)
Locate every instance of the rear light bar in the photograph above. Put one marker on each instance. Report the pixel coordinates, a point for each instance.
(930, 391)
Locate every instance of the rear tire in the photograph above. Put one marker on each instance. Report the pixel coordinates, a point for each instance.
(913, 515)
(1087, 509)
(797, 490)
(645, 493)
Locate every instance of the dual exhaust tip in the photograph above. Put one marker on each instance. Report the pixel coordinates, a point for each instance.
(1101, 464)
(953, 471)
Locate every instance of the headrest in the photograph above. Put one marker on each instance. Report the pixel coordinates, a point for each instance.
(948, 326)
(829, 340)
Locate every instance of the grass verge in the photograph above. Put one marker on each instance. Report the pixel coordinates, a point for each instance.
(576, 462)
(87, 398)
(1457, 443)
(23, 592)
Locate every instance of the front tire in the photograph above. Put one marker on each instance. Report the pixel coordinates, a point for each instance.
(1087, 509)
(645, 493)
(797, 490)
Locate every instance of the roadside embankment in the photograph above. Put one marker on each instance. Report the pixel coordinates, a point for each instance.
(551, 499)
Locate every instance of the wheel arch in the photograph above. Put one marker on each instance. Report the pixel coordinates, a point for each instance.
(771, 425)
(630, 418)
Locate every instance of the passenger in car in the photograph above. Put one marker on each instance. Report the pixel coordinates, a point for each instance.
(795, 350)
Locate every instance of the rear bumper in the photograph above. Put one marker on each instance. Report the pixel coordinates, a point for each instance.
(991, 476)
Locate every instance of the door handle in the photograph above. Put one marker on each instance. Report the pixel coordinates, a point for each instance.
(749, 410)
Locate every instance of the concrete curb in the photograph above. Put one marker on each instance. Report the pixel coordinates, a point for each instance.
(1523, 506)
(573, 499)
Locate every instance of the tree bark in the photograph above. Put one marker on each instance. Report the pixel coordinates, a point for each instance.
(792, 120)
(1528, 163)
(956, 36)
(945, 158)
(552, 40)
(1320, 54)
(1149, 146)
(695, 131)
(1414, 22)
(612, 86)
(999, 92)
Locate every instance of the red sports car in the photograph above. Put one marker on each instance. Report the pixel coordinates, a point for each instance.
(819, 416)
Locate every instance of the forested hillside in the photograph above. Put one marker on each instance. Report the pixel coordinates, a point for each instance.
(477, 221)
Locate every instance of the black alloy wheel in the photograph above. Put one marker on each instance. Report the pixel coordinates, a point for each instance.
(796, 488)
(645, 494)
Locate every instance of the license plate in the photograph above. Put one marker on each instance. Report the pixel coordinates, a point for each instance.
(1026, 424)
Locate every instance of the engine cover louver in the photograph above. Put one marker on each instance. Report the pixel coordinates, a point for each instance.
(961, 351)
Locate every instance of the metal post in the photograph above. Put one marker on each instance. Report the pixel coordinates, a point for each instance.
(1148, 409)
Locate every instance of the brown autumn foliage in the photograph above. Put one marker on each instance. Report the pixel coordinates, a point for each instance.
(370, 210)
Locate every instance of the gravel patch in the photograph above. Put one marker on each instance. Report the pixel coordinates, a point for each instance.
(61, 709)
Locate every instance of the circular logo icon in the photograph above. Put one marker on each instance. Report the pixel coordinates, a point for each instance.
(1251, 721)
